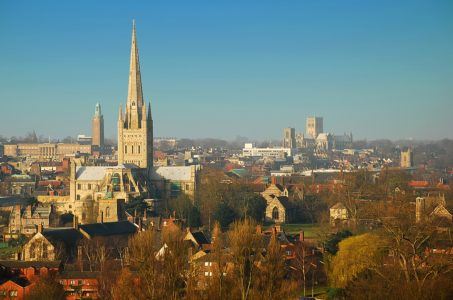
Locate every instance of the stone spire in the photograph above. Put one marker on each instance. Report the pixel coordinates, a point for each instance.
(135, 94)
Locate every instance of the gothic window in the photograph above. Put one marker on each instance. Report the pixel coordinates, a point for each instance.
(139, 149)
(125, 149)
(275, 213)
(132, 149)
(44, 252)
(33, 250)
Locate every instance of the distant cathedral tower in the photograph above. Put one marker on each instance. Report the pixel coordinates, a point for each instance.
(135, 126)
(98, 127)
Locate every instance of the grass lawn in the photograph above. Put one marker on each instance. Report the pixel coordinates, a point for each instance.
(310, 230)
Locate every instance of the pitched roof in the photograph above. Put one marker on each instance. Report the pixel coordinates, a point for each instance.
(173, 173)
(109, 228)
(66, 235)
(339, 205)
(200, 238)
(20, 264)
(90, 173)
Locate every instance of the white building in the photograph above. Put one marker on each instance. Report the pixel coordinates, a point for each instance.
(251, 151)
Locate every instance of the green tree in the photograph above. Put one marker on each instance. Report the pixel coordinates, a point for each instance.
(224, 214)
(356, 254)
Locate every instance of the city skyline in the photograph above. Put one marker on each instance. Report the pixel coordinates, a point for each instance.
(271, 67)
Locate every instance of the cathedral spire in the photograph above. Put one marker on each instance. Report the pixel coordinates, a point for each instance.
(135, 94)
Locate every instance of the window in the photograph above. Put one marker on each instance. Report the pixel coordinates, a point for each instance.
(107, 212)
(72, 282)
(138, 149)
(89, 186)
(78, 197)
(132, 149)
(187, 187)
(13, 293)
(275, 213)
(125, 149)
(79, 186)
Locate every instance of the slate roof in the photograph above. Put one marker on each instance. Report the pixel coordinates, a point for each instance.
(284, 201)
(19, 264)
(109, 228)
(90, 173)
(11, 201)
(173, 173)
(21, 281)
(67, 235)
(200, 238)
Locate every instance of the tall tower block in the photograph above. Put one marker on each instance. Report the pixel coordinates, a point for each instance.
(135, 125)
(98, 127)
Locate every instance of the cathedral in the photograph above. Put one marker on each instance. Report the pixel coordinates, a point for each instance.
(98, 193)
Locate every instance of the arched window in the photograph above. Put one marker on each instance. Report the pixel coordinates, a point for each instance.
(44, 252)
(275, 213)
(125, 149)
(138, 149)
(132, 149)
(33, 250)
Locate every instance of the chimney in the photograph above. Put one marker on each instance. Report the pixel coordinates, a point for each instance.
(301, 236)
(102, 217)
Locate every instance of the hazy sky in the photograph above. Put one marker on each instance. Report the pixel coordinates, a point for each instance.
(226, 68)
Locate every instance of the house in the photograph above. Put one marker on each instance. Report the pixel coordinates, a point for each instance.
(80, 285)
(338, 213)
(15, 288)
(197, 238)
(31, 270)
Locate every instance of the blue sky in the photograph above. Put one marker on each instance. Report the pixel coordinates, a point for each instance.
(380, 69)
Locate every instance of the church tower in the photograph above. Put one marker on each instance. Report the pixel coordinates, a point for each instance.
(135, 125)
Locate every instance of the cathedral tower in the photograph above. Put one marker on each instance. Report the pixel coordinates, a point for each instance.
(135, 125)
(98, 127)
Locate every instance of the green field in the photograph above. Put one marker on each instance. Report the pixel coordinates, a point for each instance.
(310, 230)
